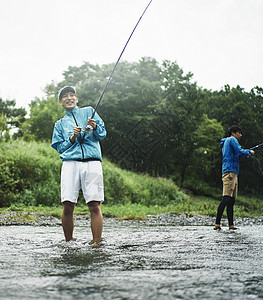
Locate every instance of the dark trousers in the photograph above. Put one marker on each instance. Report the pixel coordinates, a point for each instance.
(229, 202)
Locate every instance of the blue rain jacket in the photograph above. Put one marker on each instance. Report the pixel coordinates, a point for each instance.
(232, 152)
(86, 146)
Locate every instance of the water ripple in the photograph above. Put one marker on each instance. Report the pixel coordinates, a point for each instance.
(154, 259)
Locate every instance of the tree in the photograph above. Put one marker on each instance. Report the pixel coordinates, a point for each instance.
(205, 170)
(43, 115)
(10, 118)
(182, 107)
(4, 129)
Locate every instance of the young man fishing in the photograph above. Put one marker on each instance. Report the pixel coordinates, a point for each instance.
(81, 156)
(232, 152)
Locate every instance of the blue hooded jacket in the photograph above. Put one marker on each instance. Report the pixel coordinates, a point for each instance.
(86, 146)
(232, 152)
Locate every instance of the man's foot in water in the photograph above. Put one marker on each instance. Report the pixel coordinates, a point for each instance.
(95, 244)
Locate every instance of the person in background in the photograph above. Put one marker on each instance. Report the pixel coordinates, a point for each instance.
(232, 152)
(81, 162)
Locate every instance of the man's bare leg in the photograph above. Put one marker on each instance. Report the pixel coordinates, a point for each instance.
(67, 219)
(96, 220)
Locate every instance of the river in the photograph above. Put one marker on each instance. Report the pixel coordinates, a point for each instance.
(165, 257)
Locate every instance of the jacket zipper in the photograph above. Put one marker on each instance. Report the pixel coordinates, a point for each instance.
(80, 140)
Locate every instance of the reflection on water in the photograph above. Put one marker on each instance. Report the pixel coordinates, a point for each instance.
(139, 260)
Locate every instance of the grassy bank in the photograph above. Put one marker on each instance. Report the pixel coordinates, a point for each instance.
(245, 207)
(30, 182)
(30, 175)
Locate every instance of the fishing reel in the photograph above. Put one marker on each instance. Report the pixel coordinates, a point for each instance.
(87, 129)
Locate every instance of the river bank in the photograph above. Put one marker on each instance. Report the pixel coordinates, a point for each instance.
(194, 208)
(8, 218)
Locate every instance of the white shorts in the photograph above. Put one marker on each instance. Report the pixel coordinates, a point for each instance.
(85, 175)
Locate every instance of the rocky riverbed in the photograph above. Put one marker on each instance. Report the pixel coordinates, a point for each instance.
(37, 219)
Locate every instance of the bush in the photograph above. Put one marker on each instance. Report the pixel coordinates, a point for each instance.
(199, 187)
(29, 173)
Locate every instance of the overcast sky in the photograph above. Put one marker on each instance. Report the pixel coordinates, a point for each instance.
(219, 41)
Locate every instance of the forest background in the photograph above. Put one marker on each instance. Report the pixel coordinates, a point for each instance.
(159, 122)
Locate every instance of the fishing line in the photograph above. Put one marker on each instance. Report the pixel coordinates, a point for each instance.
(89, 128)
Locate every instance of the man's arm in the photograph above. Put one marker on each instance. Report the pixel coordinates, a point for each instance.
(239, 150)
(58, 141)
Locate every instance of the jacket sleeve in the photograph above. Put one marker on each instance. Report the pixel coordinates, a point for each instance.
(100, 131)
(238, 149)
(58, 141)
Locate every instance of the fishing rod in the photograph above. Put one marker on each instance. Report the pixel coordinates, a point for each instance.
(89, 128)
(257, 146)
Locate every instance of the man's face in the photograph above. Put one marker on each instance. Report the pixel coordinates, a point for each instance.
(69, 101)
(237, 135)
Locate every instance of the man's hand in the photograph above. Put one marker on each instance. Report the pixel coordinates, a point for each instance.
(252, 152)
(76, 133)
(92, 123)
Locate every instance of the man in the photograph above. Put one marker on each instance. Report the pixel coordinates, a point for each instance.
(232, 152)
(81, 156)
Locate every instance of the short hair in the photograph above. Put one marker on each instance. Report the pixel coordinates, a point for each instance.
(65, 90)
(234, 129)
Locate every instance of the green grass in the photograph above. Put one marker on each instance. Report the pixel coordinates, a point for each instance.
(195, 205)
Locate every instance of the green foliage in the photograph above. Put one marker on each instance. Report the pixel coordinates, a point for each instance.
(199, 187)
(249, 206)
(182, 107)
(3, 126)
(207, 152)
(128, 187)
(43, 115)
(30, 174)
(10, 118)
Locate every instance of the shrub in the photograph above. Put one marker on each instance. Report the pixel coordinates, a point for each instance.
(199, 187)
(29, 173)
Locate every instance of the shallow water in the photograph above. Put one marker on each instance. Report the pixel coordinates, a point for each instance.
(154, 259)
